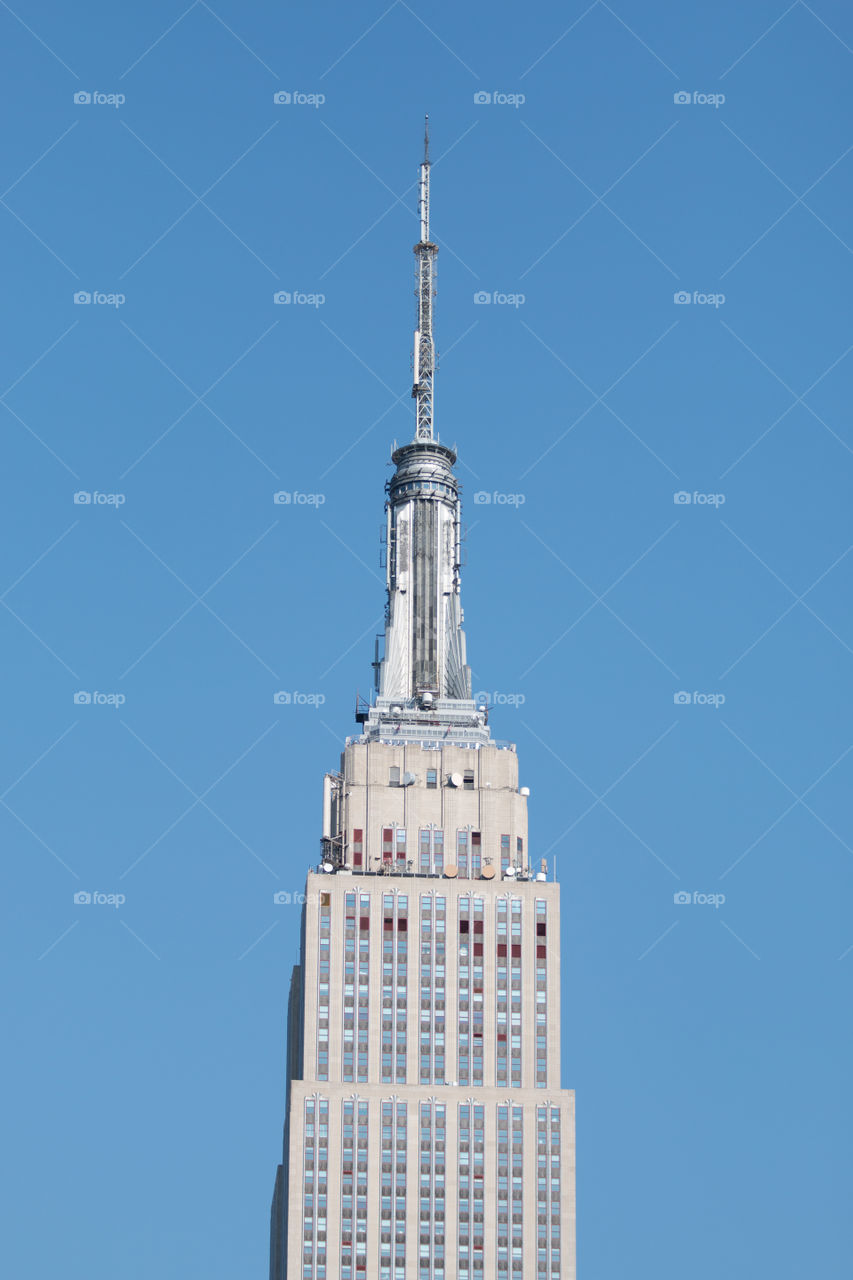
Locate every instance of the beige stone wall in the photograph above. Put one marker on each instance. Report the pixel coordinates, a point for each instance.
(494, 807)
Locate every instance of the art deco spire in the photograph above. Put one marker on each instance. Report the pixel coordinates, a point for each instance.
(423, 678)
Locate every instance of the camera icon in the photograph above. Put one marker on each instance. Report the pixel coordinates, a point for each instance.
(681, 898)
(482, 298)
(682, 698)
(82, 98)
(681, 98)
(681, 297)
(82, 498)
(482, 99)
(481, 498)
(82, 898)
(282, 698)
(282, 498)
(281, 298)
(282, 898)
(82, 297)
(682, 498)
(282, 98)
(82, 698)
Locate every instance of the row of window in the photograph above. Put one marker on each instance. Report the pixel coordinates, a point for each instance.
(431, 851)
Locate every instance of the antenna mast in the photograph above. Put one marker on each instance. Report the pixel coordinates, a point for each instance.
(424, 357)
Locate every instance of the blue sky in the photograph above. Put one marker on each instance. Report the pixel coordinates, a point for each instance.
(708, 1041)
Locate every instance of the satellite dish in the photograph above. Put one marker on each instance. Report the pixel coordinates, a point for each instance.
(451, 871)
(510, 871)
(455, 779)
(488, 873)
(408, 779)
(524, 791)
(327, 867)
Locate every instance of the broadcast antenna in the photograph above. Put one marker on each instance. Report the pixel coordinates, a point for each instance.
(424, 357)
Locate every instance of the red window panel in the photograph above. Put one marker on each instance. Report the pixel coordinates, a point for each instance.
(478, 926)
(540, 953)
(357, 846)
(364, 924)
(388, 923)
(501, 948)
(540, 929)
(478, 948)
(516, 948)
(387, 844)
(403, 926)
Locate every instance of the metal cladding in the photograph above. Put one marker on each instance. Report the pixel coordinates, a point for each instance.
(424, 642)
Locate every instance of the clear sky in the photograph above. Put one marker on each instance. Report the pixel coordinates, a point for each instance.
(708, 1040)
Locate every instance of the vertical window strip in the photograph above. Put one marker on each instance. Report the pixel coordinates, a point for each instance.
(515, 977)
(463, 1038)
(541, 993)
(501, 992)
(348, 1040)
(477, 1012)
(363, 986)
(462, 854)
(324, 942)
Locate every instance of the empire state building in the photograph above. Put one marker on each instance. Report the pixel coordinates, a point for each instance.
(426, 1134)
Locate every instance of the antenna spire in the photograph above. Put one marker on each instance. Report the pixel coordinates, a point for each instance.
(424, 355)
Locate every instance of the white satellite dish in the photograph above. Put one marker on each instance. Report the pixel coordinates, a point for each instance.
(524, 791)
(510, 871)
(455, 779)
(408, 779)
(328, 867)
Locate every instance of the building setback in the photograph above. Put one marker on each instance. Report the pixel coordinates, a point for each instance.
(426, 1134)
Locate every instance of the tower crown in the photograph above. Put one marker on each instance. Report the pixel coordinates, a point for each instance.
(423, 680)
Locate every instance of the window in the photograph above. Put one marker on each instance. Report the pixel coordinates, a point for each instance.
(394, 776)
(432, 779)
(468, 779)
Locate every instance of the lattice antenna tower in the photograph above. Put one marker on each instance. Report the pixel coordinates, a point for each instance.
(425, 272)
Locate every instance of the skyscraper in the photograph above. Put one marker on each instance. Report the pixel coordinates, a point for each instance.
(426, 1134)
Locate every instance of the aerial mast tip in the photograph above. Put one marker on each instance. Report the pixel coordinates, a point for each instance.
(426, 139)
